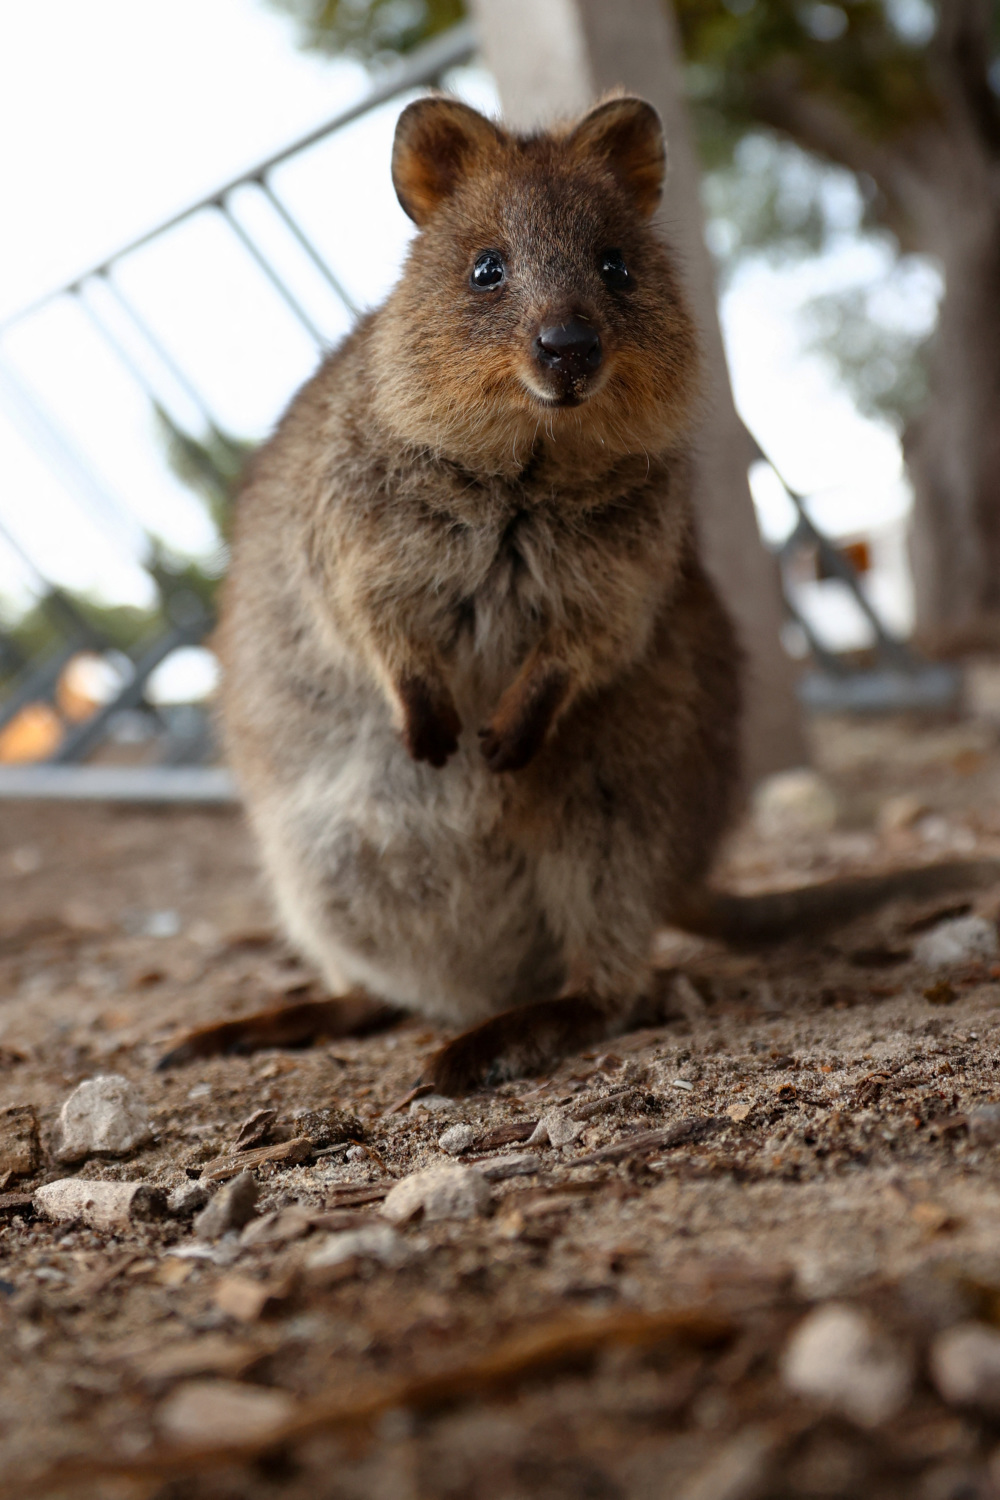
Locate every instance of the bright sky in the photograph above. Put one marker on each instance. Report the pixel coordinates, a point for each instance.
(114, 115)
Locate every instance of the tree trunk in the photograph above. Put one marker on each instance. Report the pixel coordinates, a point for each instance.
(953, 449)
(552, 59)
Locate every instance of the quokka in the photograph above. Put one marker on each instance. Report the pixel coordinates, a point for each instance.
(481, 698)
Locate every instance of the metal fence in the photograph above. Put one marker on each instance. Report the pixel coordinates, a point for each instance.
(179, 750)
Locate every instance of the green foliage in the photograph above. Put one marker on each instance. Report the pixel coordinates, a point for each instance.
(211, 466)
(867, 57)
(882, 364)
(771, 198)
(369, 28)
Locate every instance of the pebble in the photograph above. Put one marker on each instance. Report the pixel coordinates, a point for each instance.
(221, 1412)
(965, 1366)
(499, 1168)
(456, 1139)
(279, 1228)
(103, 1205)
(233, 1206)
(836, 1356)
(555, 1129)
(960, 940)
(444, 1192)
(19, 1149)
(432, 1104)
(186, 1200)
(103, 1116)
(374, 1242)
(794, 802)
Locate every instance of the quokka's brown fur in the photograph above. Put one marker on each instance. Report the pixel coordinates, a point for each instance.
(480, 696)
(482, 699)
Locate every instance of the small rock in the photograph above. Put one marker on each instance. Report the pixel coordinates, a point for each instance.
(445, 1192)
(837, 1356)
(185, 1201)
(984, 1124)
(556, 1129)
(373, 1242)
(233, 1206)
(965, 1366)
(103, 1116)
(739, 1112)
(355, 1153)
(221, 1411)
(279, 1228)
(328, 1127)
(19, 1149)
(456, 1139)
(960, 940)
(793, 803)
(103, 1205)
(433, 1104)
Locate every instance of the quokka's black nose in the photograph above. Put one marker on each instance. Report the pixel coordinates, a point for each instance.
(573, 348)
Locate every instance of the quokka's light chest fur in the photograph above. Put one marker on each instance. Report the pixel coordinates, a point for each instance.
(480, 696)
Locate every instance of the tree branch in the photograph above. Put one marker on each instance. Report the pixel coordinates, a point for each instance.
(778, 99)
(960, 56)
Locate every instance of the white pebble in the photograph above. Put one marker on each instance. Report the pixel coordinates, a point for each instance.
(221, 1412)
(111, 1206)
(965, 1365)
(372, 1242)
(837, 1357)
(432, 1104)
(555, 1129)
(456, 1139)
(103, 1116)
(961, 940)
(444, 1192)
(794, 802)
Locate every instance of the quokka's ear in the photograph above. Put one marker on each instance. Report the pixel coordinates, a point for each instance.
(438, 142)
(626, 134)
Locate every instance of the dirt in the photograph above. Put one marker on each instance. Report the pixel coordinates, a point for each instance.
(799, 1127)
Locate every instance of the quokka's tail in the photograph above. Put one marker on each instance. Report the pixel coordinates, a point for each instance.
(747, 921)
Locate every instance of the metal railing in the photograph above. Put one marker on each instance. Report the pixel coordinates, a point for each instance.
(162, 378)
(172, 389)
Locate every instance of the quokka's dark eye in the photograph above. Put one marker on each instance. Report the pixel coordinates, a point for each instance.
(489, 270)
(615, 271)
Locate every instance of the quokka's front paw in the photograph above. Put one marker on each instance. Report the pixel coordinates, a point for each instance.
(517, 731)
(431, 725)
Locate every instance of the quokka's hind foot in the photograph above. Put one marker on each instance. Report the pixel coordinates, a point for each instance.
(524, 1040)
(299, 1025)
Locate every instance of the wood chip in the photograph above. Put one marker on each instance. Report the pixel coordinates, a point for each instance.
(211, 1354)
(245, 1299)
(506, 1135)
(254, 1129)
(687, 1132)
(16, 1203)
(283, 1153)
(353, 1197)
(499, 1168)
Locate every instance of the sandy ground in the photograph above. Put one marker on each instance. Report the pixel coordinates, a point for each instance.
(804, 1128)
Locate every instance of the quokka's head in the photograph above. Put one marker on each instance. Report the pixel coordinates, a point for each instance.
(537, 298)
